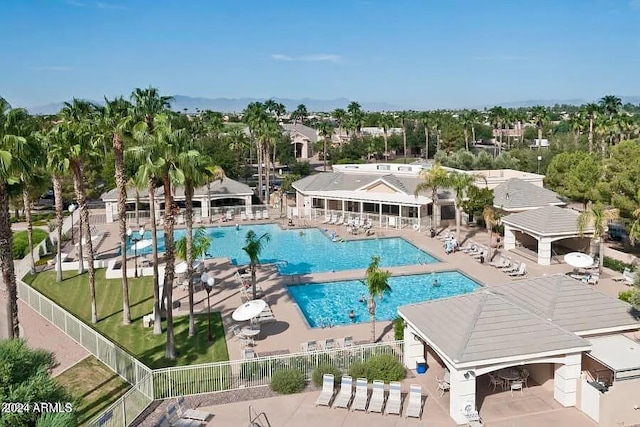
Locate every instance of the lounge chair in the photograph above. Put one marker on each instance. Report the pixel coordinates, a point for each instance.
(362, 395)
(414, 407)
(593, 279)
(521, 271)
(265, 214)
(248, 353)
(309, 346)
(377, 397)
(394, 400)
(250, 215)
(517, 385)
(499, 262)
(229, 216)
(327, 391)
(192, 414)
(340, 221)
(347, 341)
(243, 216)
(343, 399)
(329, 344)
(334, 219)
(473, 417)
(176, 420)
(327, 218)
(511, 268)
(258, 215)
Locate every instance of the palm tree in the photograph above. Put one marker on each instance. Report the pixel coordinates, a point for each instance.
(255, 115)
(460, 183)
(148, 103)
(491, 218)
(634, 232)
(591, 112)
(497, 117)
(11, 156)
(377, 282)
(253, 247)
(432, 180)
(426, 120)
(325, 129)
(404, 116)
(356, 117)
(610, 105)
(598, 217)
(539, 116)
(340, 116)
(300, 113)
(386, 121)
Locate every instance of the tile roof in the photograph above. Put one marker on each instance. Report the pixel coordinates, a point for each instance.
(308, 132)
(569, 303)
(547, 221)
(484, 325)
(516, 194)
(227, 186)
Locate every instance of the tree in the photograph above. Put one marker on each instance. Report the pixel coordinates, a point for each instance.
(377, 283)
(325, 129)
(634, 232)
(432, 180)
(300, 113)
(598, 217)
(610, 105)
(491, 218)
(497, 117)
(253, 247)
(591, 111)
(574, 175)
(621, 178)
(403, 116)
(460, 183)
(340, 115)
(11, 158)
(24, 379)
(477, 199)
(539, 116)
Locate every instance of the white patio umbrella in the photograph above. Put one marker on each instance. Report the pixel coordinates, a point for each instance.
(248, 310)
(578, 260)
(182, 267)
(142, 244)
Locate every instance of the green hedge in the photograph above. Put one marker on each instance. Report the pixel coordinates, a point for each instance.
(616, 265)
(287, 381)
(384, 367)
(398, 328)
(21, 242)
(625, 296)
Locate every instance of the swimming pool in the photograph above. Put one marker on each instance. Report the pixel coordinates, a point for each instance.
(324, 303)
(303, 251)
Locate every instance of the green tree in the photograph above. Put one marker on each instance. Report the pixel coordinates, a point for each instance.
(377, 283)
(432, 180)
(539, 116)
(598, 217)
(460, 183)
(574, 175)
(477, 199)
(253, 247)
(200, 243)
(591, 112)
(491, 217)
(621, 178)
(326, 130)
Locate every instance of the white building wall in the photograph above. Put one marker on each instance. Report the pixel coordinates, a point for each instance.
(461, 394)
(566, 379)
(413, 348)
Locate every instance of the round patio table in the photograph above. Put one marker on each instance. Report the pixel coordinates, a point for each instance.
(250, 332)
(509, 374)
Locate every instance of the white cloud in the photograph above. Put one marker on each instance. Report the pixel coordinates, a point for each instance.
(320, 57)
(101, 5)
(56, 68)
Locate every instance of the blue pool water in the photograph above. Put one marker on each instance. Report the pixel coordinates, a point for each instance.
(324, 303)
(306, 251)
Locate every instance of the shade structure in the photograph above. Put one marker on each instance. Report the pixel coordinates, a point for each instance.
(142, 244)
(578, 260)
(248, 310)
(182, 267)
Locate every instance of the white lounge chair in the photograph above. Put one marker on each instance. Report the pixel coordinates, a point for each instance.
(176, 420)
(362, 395)
(192, 414)
(499, 262)
(250, 215)
(511, 268)
(343, 399)
(243, 216)
(327, 218)
(377, 397)
(394, 400)
(340, 221)
(309, 346)
(258, 215)
(334, 219)
(347, 341)
(521, 271)
(414, 407)
(329, 344)
(327, 391)
(473, 417)
(229, 215)
(265, 214)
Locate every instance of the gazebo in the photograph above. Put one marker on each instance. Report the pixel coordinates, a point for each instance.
(543, 226)
(541, 323)
(517, 195)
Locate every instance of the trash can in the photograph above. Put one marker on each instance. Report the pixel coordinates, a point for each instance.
(421, 365)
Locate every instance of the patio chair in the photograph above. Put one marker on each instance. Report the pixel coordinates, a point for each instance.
(377, 397)
(176, 420)
(511, 268)
(443, 386)
(521, 271)
(394, 399)
(250, 215)
(495, 382)
(347, 341)
(334, 219)
(258, 215)
(229, 215)
(327, 218)
(309, 346)
(362, 395)
(340, 221)
(329, 344)
(192, 414)
(248, 353)
(414, 407)
(327, 391)
(343, 399)
(525, 377)
(243, 216)
(470, 246)
(473, 417)
(593, 279)
(517, 385)
(265, 214)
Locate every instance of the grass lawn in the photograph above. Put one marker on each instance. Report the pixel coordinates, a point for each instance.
(73, 294)
(94, 384)
(21, 242)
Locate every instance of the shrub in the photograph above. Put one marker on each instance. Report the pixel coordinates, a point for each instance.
(398, 328)
(626, 295)
(320, 370)
(287, 381)
(617, 265)
(20, 245)
(358, 370)
(385, 367)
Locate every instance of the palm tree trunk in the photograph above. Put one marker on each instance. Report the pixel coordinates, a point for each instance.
(458, 221)
(601, 254)
(209, 200)
(157, 312)
(259, 156)
(56, 181)
(136, 206)
(404, 141)
(169, 218)
(6, 264)
(253, 279)
(590, 134)
(78, 176)
(372, 316)
(426, 142)
(324, 152)
(26, 200)
(122, 215)
(188, 191)
(489, 253)
(466, 139)
(266, 187)
(473, 133)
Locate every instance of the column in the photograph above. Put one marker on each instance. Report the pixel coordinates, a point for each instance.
(565, 379)
(326, 206)
(204, 207)
(413, 348)
(509, 238)
(419, 220)
(462, 394)
(399, 223)
(544, 251)
(380, 214)
(361, 209)
(109, 211)
(343, 208)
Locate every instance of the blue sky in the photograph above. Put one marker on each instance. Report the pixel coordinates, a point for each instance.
(412, 53)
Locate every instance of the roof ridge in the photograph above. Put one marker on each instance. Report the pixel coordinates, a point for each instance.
(552, 301)
(472, 325)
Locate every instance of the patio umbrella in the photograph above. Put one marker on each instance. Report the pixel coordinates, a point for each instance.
(248, 310)
(182, 267)
(578, 260)
(142, 244)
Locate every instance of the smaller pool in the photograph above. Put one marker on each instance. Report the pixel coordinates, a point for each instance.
(329, 303)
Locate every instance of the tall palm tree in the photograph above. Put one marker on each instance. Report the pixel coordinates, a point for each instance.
(591, 112)
(300, 113)
(497, 116)
(356, 117)
(116, 118)
(11, 157)
(255, 115)
(598, 217)
(432, 180)
(340, 116)
(491, 217)
(539, 115)
(460, 183)
(426, 120)
(325, 129)
(610, 105)
(253, 247)
(386, 122)
(148, 103)
(403, 116)
(377, 283)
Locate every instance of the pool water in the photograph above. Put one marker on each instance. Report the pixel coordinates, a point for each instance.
(325, 304)
(303, 251)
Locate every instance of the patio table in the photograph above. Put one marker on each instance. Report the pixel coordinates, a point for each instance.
(509, 374)
(250, 332)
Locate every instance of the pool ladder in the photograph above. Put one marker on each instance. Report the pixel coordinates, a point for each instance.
(258, 419)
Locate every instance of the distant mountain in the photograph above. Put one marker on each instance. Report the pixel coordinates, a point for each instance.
(227, 105)
(552, 102)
